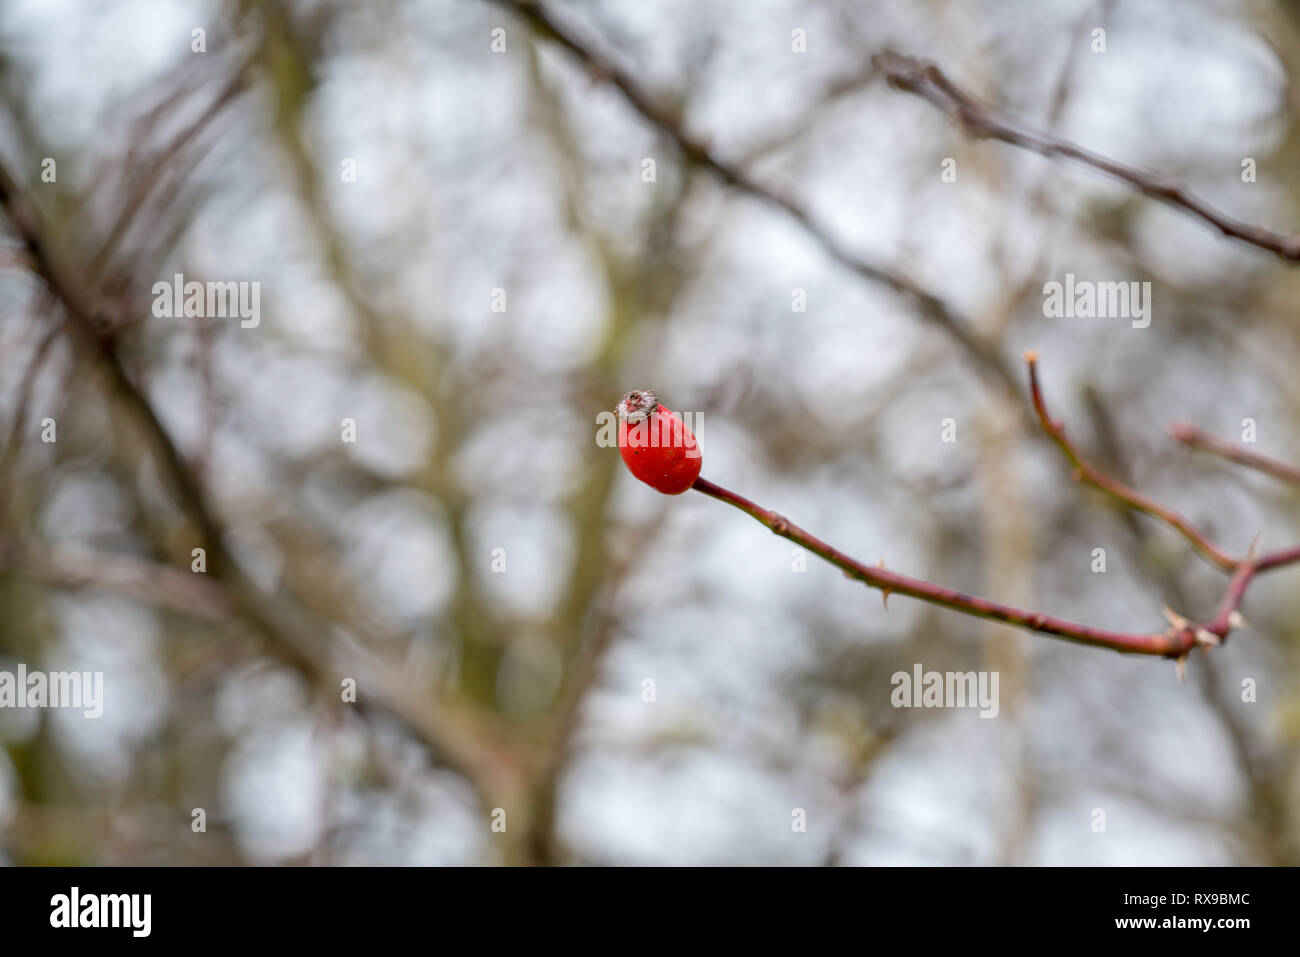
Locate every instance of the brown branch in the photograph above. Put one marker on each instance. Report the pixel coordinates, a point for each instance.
(1191, 435)
(984, 121)
(23, 401)
(159, 585)
(1174, 642)
(1228, 615)
(1142, 503)
(697, 150)
(1171, 643)
(490, 768)
(1084, 471)
(1285, 556)
(151, 171)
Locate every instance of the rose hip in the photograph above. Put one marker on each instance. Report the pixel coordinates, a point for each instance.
(656, 444)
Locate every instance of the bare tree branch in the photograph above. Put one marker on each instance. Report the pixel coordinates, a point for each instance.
(158, 585)
(652, 108)
(1085, 472)
(1171, 643)
(983, 121)
(1174, 642)
(490, 768)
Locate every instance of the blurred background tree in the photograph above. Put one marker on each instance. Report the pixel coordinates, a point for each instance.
(462, 248)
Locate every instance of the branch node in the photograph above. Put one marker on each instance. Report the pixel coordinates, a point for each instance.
(1207, 638)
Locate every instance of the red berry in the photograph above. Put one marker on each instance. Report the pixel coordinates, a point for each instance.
(656, 444)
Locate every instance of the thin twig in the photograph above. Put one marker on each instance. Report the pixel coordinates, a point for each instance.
(1084, 471)
(1171, 643)
(1191, 435)
(1136, 500)
(1174, 642)
(292, 636)
(159, 585)
(990, 362)
(981, 120)
(152, 171)
(23, 400)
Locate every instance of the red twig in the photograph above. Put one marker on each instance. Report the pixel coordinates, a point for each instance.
(1191, 435)
(1176, 641)
(986, 122)
(1171, 643)
(1085, 472)
(1229, 616)
(928, 81)
(1135, 499)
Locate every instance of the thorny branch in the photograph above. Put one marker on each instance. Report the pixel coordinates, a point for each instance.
(469, 753)
(929, 82)
(1176, 641)
(1181, 636)
(983, 121)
